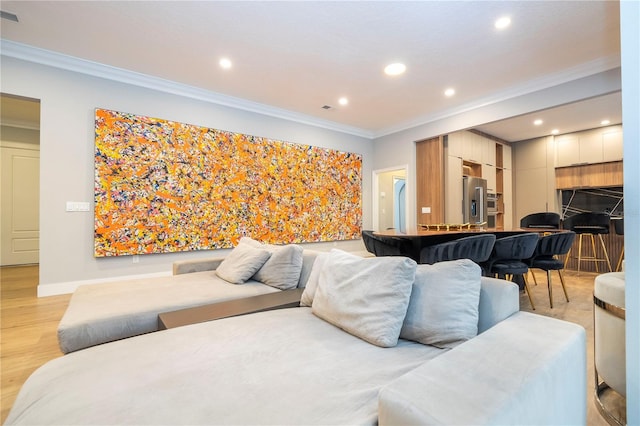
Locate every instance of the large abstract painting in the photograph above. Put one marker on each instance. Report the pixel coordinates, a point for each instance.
(163, 186)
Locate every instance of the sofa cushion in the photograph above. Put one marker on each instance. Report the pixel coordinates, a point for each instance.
(242, 263)
(443, 310)
(282, 270)
(312, 283)
(366, 297)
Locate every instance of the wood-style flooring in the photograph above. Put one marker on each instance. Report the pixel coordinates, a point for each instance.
(29, 323)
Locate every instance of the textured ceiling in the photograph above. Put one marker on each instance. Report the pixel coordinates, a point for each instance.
(299, 56)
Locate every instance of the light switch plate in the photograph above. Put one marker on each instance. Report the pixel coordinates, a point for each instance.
(426, 210)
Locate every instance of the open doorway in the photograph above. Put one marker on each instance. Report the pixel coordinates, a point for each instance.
(19, 180)
(390, 199)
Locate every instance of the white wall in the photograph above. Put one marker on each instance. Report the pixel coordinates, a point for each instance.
(68, 102)
(630, 47)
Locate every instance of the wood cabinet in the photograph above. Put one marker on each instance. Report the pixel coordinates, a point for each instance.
(453, 190)
(469, 153)
(431, 180)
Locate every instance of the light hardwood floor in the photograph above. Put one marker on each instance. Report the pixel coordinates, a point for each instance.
(29, 324)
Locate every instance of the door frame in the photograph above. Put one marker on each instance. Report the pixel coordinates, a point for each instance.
(375, 204)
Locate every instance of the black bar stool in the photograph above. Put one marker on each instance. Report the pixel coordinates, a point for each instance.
(508, 258)
(541, 220)
(589, 224)
(476, 247)
(546, 258)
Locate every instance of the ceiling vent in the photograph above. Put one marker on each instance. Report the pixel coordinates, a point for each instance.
(8, 16)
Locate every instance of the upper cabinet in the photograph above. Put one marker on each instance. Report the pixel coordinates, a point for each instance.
(612, 146)
(589, 147)
(471, 147)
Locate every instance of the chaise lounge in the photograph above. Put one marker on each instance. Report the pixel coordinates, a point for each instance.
(379, 340)
(102, 313)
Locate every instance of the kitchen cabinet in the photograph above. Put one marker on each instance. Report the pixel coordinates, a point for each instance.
(489, 173)
(455, 145)
(489, 152)
(612, 146)
(589, 147)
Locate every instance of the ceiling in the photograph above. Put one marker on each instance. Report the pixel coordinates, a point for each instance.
(299, 56)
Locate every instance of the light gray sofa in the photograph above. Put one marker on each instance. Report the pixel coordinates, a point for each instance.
(298, 366)
(102, 313)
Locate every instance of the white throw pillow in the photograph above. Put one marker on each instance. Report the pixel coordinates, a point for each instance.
(366, 297)
(283, 268)
(242, 263)
(443, 310)
(312, 283)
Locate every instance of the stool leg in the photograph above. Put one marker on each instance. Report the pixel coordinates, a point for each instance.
(620, 260)
(606, 255)
(526, 287)
(566, 295)
(579, 253)
(550, 288)
(593, 250)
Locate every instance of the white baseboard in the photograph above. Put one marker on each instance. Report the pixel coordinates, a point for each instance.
(55, 289)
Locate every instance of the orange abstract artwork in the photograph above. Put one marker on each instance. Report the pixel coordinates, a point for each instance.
(163, 186)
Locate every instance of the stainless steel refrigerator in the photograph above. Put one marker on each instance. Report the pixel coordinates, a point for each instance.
(474, 200)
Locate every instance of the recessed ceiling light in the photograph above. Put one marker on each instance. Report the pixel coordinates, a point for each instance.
(450, 92)
(555, 131)
(225, 63)
(538, 122)
(395, 69)
(343, 101)
(605, 122)
(503, 22)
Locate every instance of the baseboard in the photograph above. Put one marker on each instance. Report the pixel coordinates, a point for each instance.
(55, 289)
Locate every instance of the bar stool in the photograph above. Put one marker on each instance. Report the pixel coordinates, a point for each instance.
(618, 225)
(549, 220)
(589, 224)
(476, 248)
(508, 258)
(609, 317)
(546, 258)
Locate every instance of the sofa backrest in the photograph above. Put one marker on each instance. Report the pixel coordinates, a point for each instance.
(308, 257)
(499, 299)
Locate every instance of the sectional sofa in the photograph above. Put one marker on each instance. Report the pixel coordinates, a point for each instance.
(101, 313)
(378, 340)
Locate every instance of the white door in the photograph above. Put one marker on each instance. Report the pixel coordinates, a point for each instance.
(19, 207)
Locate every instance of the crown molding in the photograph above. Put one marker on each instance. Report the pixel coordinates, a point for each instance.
(70, 63)
(95, 69)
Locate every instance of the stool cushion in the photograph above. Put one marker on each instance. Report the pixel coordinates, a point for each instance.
(547, 264)
(609, 288)
(509, 267)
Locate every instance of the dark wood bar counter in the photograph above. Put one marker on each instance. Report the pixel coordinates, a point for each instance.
(418, 238)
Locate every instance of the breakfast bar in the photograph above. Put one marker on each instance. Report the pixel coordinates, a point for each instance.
(415, 239)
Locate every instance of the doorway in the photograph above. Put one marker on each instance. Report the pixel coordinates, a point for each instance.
(19, 180)
(390, 199)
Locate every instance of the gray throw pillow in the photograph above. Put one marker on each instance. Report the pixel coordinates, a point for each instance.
(443, 310)
(283, 268)
(366, 297)
(242, 263)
